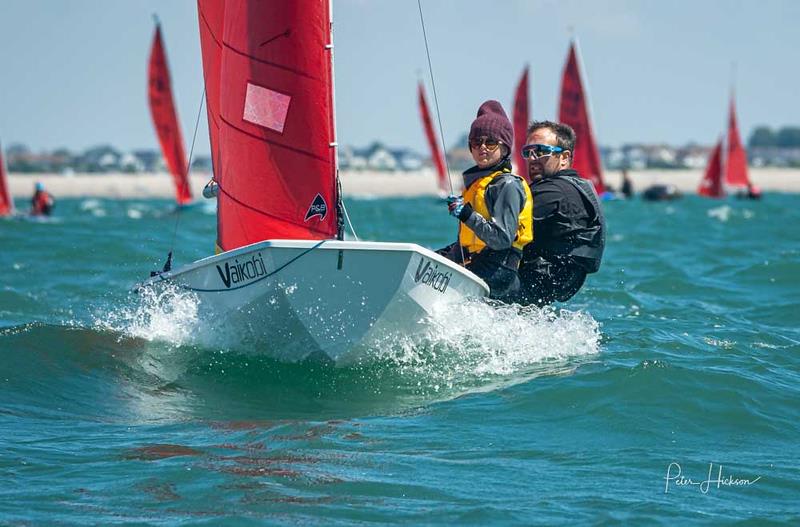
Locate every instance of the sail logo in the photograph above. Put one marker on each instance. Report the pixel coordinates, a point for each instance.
(431, 276)
(318, 208)
(238, 272)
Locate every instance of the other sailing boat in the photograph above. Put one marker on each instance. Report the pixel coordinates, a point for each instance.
(727, 166)
(736, 174)
(521, 113)
(6, 202)
(285, 283)
(442, 181)
(165, 119)
(573, 109)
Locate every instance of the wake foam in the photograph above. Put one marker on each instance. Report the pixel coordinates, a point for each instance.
(460, 348)
(476, 340)
(168, 314)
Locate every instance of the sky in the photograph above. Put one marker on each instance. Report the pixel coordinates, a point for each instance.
(74, 71)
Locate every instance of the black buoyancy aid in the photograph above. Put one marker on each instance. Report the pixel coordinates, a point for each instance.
(583, 236)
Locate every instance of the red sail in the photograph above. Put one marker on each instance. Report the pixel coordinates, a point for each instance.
(275, 146)
(521, 113)
(165, 119)
(6, 203)
(736, 166)
(573, 110)
(436, 153)
(711, 184)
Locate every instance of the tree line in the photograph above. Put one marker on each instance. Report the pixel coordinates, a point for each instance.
(764, 136)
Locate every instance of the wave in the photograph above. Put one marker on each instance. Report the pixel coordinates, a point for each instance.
(151, 360)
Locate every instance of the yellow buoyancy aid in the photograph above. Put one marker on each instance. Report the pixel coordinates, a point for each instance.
(475, 195)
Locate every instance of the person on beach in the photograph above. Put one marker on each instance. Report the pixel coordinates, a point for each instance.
(42, 202)
(495, 208)
(627, 185)
(568, 222)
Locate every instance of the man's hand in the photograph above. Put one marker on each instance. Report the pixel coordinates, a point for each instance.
(455, 204)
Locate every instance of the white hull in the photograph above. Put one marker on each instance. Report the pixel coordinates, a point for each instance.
(291, 299)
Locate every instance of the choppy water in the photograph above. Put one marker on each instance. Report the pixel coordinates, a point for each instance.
(682, 351)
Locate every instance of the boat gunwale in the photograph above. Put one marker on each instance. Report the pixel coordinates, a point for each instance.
(328, 245)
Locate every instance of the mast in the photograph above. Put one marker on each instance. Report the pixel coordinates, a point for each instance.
(334, 142)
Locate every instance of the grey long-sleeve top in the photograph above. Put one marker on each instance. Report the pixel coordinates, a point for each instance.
(505, 198)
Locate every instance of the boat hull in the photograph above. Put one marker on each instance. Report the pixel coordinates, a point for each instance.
(295, 299)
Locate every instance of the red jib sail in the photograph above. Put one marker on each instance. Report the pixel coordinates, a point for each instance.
(711, 184)
(436, 152)
(6, 203)
(521, 113)
(165, 119)
(573, 110)
(736, 165)
(269, 85)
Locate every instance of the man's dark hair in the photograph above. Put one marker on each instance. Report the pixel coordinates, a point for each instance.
(565, 135)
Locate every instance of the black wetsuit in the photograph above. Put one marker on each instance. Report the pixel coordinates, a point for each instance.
(568, 239)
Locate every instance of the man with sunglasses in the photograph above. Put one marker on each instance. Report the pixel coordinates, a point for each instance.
(568, 222)
(495, 208)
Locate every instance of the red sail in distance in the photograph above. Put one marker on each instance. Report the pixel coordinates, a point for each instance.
(165, 119)
(269, 85)
(6, 203)
(521, 113)
(573, 110)
(436, 152)
(736, 163)
(711, 184)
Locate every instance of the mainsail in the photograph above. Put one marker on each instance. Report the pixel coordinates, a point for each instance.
(269, 86)
(6, 203)
(736, 162)
(573, 110)
(165, 119)
(521, 113)
(711, 184)
(436, 152)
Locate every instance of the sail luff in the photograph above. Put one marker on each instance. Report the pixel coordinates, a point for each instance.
(6, 202)
(165, 119)
(334, 145)
(521, 116)
(574, 111)
(433, 144)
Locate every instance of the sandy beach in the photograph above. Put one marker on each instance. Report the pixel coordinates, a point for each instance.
(355, 184)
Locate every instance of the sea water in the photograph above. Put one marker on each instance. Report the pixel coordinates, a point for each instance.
(667, 389)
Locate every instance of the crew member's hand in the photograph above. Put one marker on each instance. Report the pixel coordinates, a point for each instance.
(455, 204)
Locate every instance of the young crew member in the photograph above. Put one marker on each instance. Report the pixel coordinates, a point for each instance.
(495, 208)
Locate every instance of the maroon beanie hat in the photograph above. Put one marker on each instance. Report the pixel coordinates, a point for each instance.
(493, 122)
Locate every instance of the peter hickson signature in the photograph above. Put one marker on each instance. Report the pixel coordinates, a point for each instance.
(675, 477)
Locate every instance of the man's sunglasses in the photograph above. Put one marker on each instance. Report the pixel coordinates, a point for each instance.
(490, 142)
(536, 151)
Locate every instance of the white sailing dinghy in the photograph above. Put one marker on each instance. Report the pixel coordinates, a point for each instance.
(284, 282)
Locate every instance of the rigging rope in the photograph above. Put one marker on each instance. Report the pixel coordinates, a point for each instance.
(439, 118)
(435, 97)
(168, 264)
(347, 217)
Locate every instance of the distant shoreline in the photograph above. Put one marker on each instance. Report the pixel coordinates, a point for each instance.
(354, 184)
